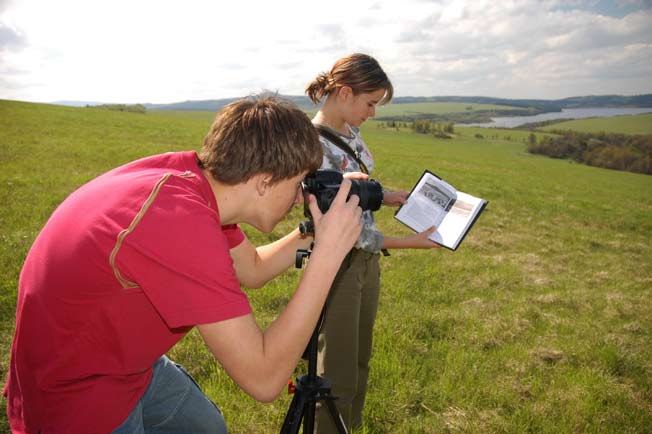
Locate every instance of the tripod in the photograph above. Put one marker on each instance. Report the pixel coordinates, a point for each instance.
(310, 388)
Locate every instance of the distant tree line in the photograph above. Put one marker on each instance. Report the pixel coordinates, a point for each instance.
(393, 124)
(540, 104)
(632, 153)
(468, 116)
(443, 130)
(529, 106)
(133, 108)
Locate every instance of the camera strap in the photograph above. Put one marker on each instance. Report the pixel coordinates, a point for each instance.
(328, 134)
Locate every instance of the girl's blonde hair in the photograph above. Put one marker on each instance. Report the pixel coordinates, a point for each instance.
(360, 72)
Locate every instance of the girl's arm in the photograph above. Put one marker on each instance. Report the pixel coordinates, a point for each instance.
(416, 241)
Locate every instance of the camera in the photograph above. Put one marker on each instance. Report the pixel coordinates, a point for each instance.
(324, 185)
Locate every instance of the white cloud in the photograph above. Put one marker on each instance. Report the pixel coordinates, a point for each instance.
(163, 51)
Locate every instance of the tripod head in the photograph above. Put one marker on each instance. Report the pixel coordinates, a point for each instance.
(302, 254)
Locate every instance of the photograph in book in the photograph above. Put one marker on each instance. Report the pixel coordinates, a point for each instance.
(434, 202)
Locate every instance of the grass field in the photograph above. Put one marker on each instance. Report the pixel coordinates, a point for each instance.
(412, 109)
(629, 124)
(541, 322)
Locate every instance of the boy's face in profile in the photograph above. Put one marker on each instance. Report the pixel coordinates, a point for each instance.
(278, 201)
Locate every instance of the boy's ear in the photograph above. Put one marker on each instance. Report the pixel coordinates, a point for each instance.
(262, 182)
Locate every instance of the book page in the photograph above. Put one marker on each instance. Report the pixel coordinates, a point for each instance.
(428, 203)
(434, 202)
(460, 216)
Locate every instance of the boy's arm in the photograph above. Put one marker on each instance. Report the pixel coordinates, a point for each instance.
(255, 266)
(262, 362)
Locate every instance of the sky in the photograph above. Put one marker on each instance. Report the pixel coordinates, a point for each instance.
(159, 51)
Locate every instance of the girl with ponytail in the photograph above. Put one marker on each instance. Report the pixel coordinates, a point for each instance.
(350, 91)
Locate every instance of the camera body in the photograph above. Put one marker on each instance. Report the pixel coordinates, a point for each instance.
(324, 185)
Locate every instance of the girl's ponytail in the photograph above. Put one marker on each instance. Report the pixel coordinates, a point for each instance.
(320, 87)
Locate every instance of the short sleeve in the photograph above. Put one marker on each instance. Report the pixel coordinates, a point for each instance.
(178, 254)
(233, 234)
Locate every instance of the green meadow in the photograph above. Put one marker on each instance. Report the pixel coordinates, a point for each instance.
(540, 322)
(419, 108)
(626, 124)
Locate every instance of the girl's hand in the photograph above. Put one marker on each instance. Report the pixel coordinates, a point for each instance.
(421, 241)
(395, 198)
(416, 241)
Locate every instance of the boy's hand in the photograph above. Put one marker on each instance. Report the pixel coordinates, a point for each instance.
(340, 227)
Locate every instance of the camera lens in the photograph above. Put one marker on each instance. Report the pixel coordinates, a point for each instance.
(369, 192)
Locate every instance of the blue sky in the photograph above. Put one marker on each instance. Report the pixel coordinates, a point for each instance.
(618, 9)
(163, 51)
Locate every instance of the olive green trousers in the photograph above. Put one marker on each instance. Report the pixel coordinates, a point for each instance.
(346, 337)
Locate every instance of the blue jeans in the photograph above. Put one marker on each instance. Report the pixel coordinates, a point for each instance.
(173, 404)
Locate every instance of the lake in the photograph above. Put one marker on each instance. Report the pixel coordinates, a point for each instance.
(578, 113)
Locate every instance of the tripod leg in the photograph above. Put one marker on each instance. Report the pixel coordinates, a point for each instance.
(294, 415)
(335, 415)
(309, 417)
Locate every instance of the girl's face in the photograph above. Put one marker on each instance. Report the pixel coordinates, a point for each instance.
(360, 107)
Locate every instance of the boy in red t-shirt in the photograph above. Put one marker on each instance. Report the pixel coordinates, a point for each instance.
(135, 258)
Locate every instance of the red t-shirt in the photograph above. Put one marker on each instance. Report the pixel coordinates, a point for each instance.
(123, 269)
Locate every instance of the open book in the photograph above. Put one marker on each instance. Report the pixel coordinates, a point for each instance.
(434, 202)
